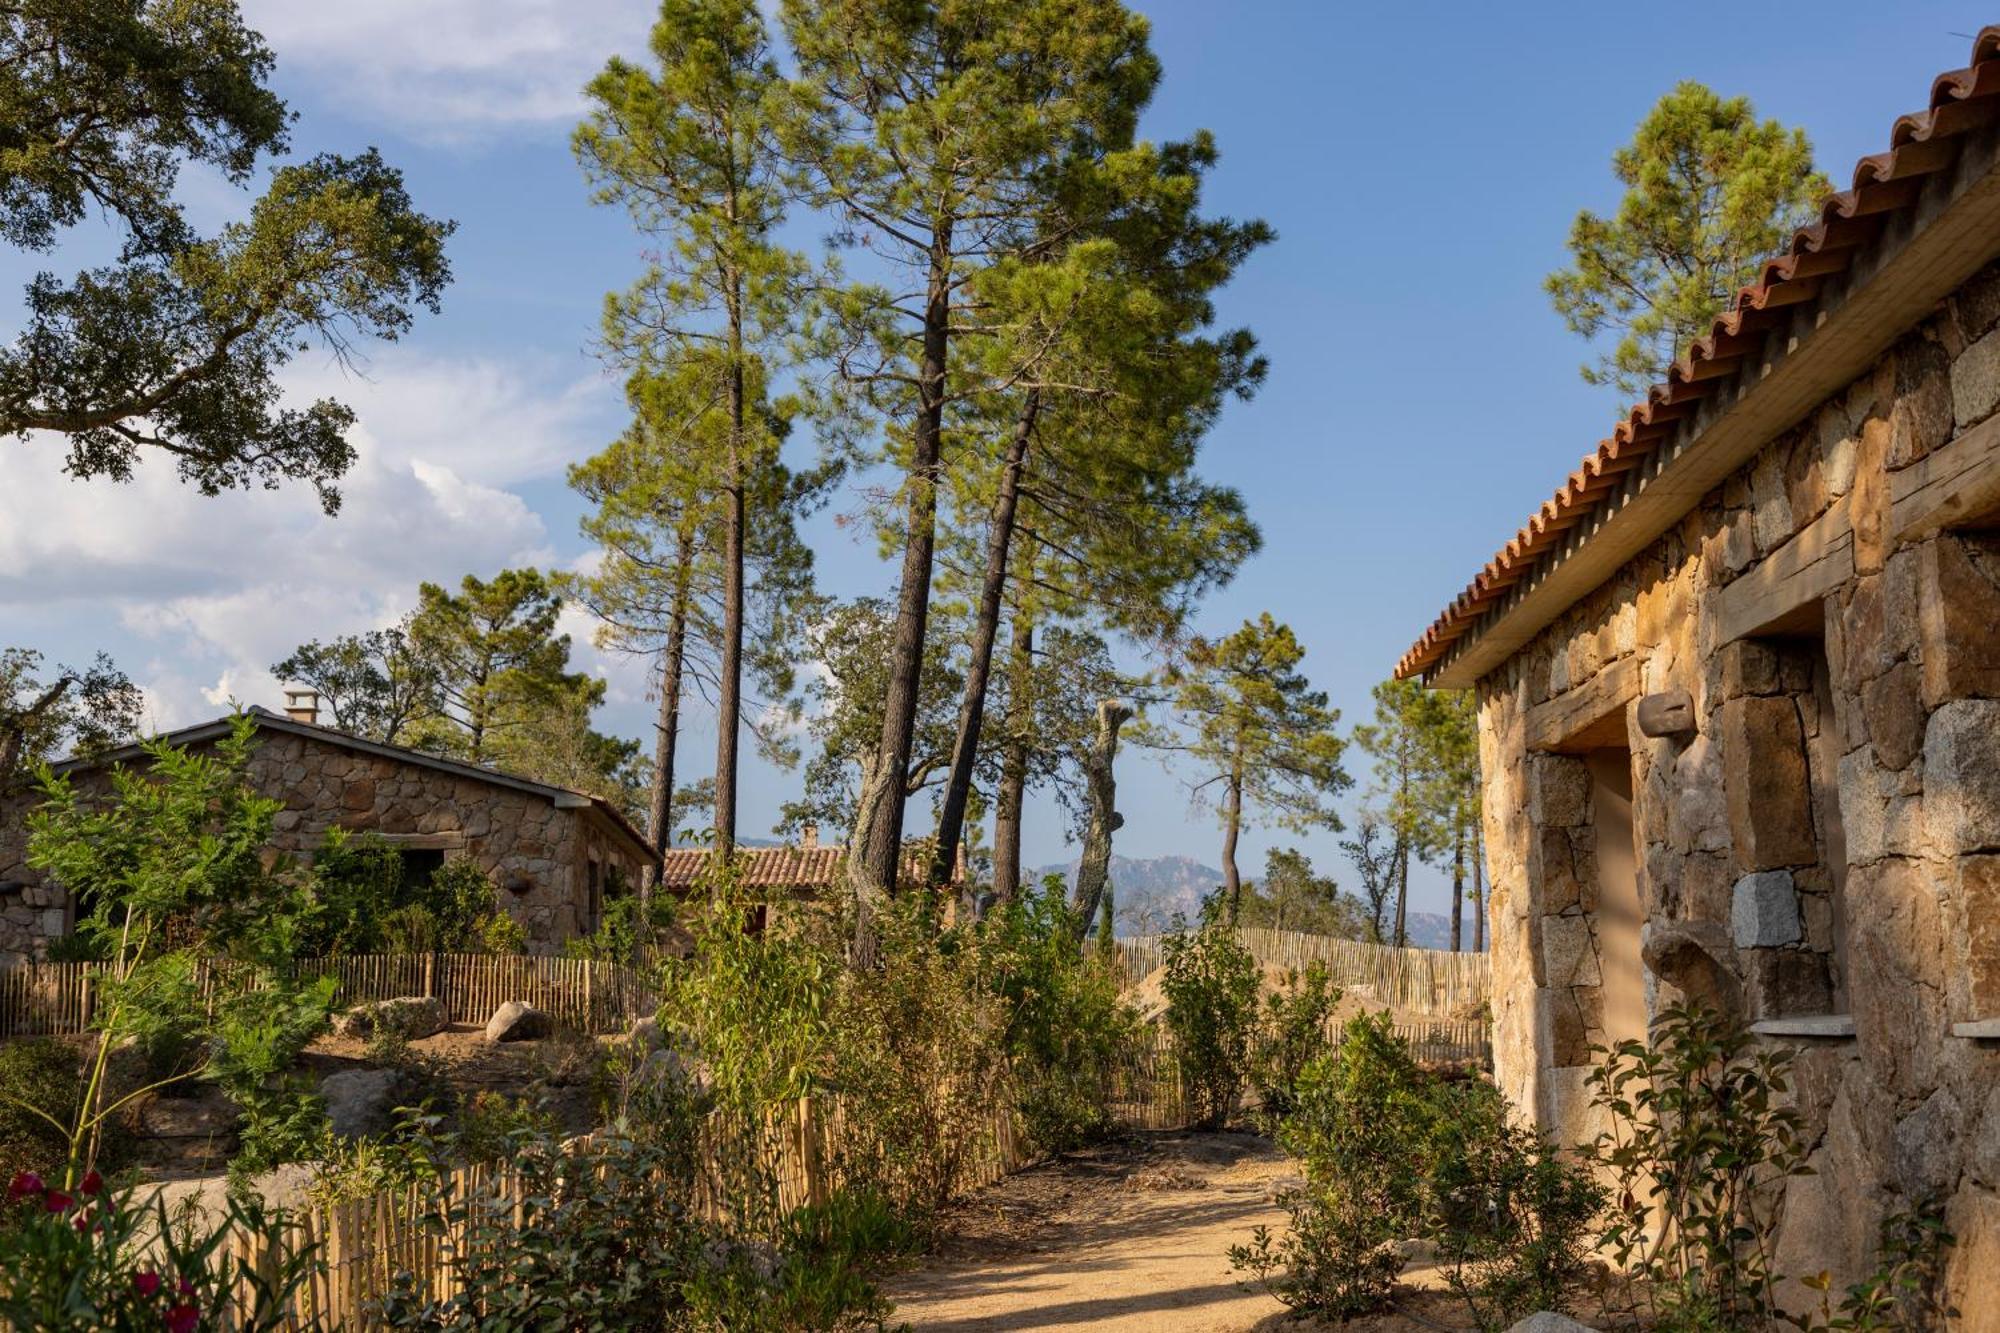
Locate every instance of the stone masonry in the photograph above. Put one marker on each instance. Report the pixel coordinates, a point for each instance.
(551, 853)
(1825, 842)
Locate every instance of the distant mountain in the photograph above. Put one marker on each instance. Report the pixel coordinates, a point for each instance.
(1149, 890)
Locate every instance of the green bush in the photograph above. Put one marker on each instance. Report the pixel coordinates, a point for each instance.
(1291, 1032)
(41, 1086)
(1068, 1032)
(1700, 1126)
(1360, 1113)
(1515, 1222)
(1211, 987)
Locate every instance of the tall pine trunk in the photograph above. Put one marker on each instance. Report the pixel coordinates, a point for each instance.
(875, 849)
(1402, 890)
(1478, 888)
(660, 815)
(1013, 792)
(985, 628)
(1457, 880)
(729, 690)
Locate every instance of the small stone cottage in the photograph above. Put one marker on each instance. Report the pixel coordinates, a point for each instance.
(1739, 701)
(554, 854)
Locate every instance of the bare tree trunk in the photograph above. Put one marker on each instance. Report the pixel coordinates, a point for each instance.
(876, 844)
(729, 689)
(1093, 871)
(1478, 888)
(1457, 880)
(985, 628)
(660, 818)
(1402, 890)
(1232, 825)
(1013, 790)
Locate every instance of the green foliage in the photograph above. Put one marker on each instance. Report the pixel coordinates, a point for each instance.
(1257, 732)
(1360, 1112)
(170, 873)
(629, 931)
(1701, 1128)
(1211, 988)
(82, 709)
(1291, 1033)
(41, 1085)
(1902, 1291)
(97, 1256)
(1710, 192)
(176, 345)
(1291, 897)
(1515, 1221)
(502, 934)
(1068, 1032)
(364, 900)
(375, 685)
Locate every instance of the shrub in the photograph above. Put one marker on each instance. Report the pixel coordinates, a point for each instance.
(1068, 1033)
(1514, 1221)
(1361, 1110)
(1292, 1031)
(41, 1085)
(1902, 1291)
(1211, 988)
(93, 1257)
(1699, 1133)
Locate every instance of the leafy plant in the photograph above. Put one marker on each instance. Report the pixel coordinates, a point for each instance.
(1360, 1112)
(1514, 1220)
(95, 1256)
(1902, 1291)
(1700, 1134)
(1291, 1031)
(1211, 989)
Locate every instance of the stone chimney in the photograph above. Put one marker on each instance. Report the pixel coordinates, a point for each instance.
(302, 706)
(809, 835)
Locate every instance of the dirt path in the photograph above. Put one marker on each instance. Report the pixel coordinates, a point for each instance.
(1131, 1236)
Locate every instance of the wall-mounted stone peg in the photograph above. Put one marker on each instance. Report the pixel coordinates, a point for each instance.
(1668, 714)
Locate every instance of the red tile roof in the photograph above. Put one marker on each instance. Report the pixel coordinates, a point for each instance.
(815, 867)
(1885, 184)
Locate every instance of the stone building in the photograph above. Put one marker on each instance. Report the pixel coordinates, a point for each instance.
(553, 854)
(1739, 701)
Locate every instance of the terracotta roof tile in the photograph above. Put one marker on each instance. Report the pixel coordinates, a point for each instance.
(1920, 145)
(773, 867)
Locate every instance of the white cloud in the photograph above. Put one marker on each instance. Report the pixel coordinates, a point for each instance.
(211, 591)
(444, 69)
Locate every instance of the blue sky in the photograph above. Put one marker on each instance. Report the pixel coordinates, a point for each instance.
(1420, 166)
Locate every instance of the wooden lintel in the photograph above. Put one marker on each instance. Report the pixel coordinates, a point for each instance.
(1956, 486)
(1587, 716)
(1784, 591)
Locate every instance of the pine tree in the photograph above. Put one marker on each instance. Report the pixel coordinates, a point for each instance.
(496, 656)
(1710, 192)
(690, 150)
(1399, 741)
(1254, 729)
(932, 131)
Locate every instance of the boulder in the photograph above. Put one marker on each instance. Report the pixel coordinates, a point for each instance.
(518, 1020)
(360, 1103)
(1543, 1321)
(409, 1016)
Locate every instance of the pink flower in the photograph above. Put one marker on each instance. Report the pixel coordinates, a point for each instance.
(182, 1319)
(186, 1287)
(22, 1185)
(92, 1182)
(56, 1201)
(146, 1283)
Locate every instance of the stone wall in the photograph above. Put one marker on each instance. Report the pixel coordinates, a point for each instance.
(1826, 840)
(538, 854)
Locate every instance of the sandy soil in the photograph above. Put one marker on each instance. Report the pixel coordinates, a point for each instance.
(1130, 1238)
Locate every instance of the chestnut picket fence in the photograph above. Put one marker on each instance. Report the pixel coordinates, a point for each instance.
(60, 999)
(1409, 981)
